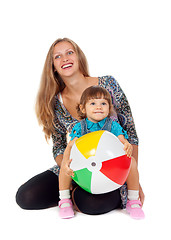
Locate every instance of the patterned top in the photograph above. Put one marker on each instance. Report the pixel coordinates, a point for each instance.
(116, 128)
(64, 122)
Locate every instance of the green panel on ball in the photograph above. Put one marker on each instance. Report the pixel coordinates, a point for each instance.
(83, 179)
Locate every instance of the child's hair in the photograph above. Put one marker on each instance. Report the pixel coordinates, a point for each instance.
(94, 92)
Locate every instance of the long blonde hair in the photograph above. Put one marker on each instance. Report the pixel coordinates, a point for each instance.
(51, 84)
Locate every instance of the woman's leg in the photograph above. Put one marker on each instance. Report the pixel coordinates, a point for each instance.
(39, 192)
(95, 204)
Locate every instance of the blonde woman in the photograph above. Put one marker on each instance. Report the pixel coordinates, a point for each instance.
(65, 76)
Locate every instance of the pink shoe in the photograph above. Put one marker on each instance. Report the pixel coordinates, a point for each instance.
(135, 212)
(66, 212)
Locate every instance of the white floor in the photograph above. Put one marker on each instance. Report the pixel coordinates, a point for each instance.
(46, 224)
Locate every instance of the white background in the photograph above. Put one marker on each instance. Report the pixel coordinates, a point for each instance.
(130, 40)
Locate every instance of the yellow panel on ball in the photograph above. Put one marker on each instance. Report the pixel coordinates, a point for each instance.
(92, 140)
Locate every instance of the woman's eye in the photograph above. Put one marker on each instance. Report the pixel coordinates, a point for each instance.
(92, 103)
(57, 56)
(70, 52)
(104, 103)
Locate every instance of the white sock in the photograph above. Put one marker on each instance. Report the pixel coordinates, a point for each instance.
(133, 195)
(64, 194)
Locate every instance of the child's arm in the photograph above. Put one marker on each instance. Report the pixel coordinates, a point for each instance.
(127, 146)
(66, 159)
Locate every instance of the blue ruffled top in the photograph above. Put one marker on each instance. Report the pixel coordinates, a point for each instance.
(116, 128)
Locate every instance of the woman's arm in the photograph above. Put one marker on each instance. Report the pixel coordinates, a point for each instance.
(123, 110)
(135, 152)
(135, 155)
(59, 141)
(58, 159)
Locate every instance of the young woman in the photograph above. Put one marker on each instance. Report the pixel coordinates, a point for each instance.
(95, 109)
(65, 76)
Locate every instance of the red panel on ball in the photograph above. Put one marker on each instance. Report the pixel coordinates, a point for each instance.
(117, 169)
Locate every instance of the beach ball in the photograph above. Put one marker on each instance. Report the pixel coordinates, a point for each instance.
(99, 162)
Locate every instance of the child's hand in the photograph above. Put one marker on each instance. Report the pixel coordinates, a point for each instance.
(68, 171)
(128, 149)
(71, 143)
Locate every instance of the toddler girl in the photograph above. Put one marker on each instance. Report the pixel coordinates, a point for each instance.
(95, 109)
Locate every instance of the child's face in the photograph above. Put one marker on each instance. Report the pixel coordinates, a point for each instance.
(96, 109)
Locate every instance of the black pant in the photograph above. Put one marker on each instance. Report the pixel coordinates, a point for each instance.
(42, 191)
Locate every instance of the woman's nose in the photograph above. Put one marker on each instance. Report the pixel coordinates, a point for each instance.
(65, 59)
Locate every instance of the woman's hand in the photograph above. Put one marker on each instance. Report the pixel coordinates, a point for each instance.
(128, 149)
(141, 194)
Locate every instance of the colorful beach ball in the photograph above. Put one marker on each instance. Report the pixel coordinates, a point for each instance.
(99, 162)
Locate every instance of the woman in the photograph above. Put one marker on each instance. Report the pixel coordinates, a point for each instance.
(65, 76)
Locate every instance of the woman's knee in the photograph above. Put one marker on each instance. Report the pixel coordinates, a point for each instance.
(39, 192)
(24, 198)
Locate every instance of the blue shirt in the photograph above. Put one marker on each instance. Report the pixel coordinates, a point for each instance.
(116, 128)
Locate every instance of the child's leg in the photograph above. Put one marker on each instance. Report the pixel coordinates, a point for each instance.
(65, 204)
(64, 186)
(133, 181)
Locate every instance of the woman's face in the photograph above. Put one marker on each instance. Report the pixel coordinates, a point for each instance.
(65, 59)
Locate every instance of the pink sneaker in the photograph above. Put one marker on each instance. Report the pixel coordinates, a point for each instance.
(66, 212)
(135, 212)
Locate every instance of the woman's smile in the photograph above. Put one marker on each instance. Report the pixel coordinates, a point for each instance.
(67, 65)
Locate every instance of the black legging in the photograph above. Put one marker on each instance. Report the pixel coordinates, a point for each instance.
(42, 192)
